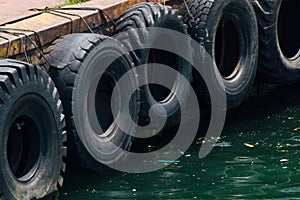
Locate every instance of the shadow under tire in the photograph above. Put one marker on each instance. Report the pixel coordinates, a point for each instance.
(31, 132)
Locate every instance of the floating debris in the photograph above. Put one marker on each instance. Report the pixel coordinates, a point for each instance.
(223, 144)
(284, 160)
(168, 161)
(249, 145)
(283, 151)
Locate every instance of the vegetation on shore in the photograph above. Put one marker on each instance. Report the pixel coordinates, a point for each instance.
(71, 2)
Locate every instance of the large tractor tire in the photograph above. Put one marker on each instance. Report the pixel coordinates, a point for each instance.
(279, 34)
(136, 20)
(228, 31)
(31, 132)
(77, 65)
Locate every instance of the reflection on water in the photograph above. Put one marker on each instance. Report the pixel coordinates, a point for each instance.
(256, 157)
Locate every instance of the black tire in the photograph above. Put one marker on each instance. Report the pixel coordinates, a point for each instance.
(31, 132)
(142, 16)
(279, 37)
(71, 63)
(216, 24)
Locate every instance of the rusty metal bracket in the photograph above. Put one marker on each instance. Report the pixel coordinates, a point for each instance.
(51, 23)
(18, 32)
(48, 10)
(37, 44)
(57, 10)
(9, 45)
(24, 44)
(70, 18)
(15, 31)
(102, 14)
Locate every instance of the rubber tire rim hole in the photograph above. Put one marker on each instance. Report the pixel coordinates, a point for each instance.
(23, 147)
(228, 48)
(103, 100)
(157, 56)
(288, 29)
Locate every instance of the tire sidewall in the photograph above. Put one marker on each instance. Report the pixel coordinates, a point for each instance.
(106, 150)
(38, 185)
(180, 90)
(289, 64)
(150, 15)
(274, 66)
(243, 16)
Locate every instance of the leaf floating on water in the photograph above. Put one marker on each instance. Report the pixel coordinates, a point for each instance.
(249, 145)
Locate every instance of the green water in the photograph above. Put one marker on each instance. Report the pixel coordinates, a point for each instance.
(260, 158)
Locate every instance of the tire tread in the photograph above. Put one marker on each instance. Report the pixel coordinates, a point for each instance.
(14, 74)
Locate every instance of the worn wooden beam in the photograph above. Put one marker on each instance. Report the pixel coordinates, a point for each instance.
(25, 35)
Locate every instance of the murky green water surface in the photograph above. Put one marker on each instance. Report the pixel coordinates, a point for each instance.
(257, 156)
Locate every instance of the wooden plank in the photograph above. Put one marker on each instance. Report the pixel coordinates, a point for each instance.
(40, 30)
